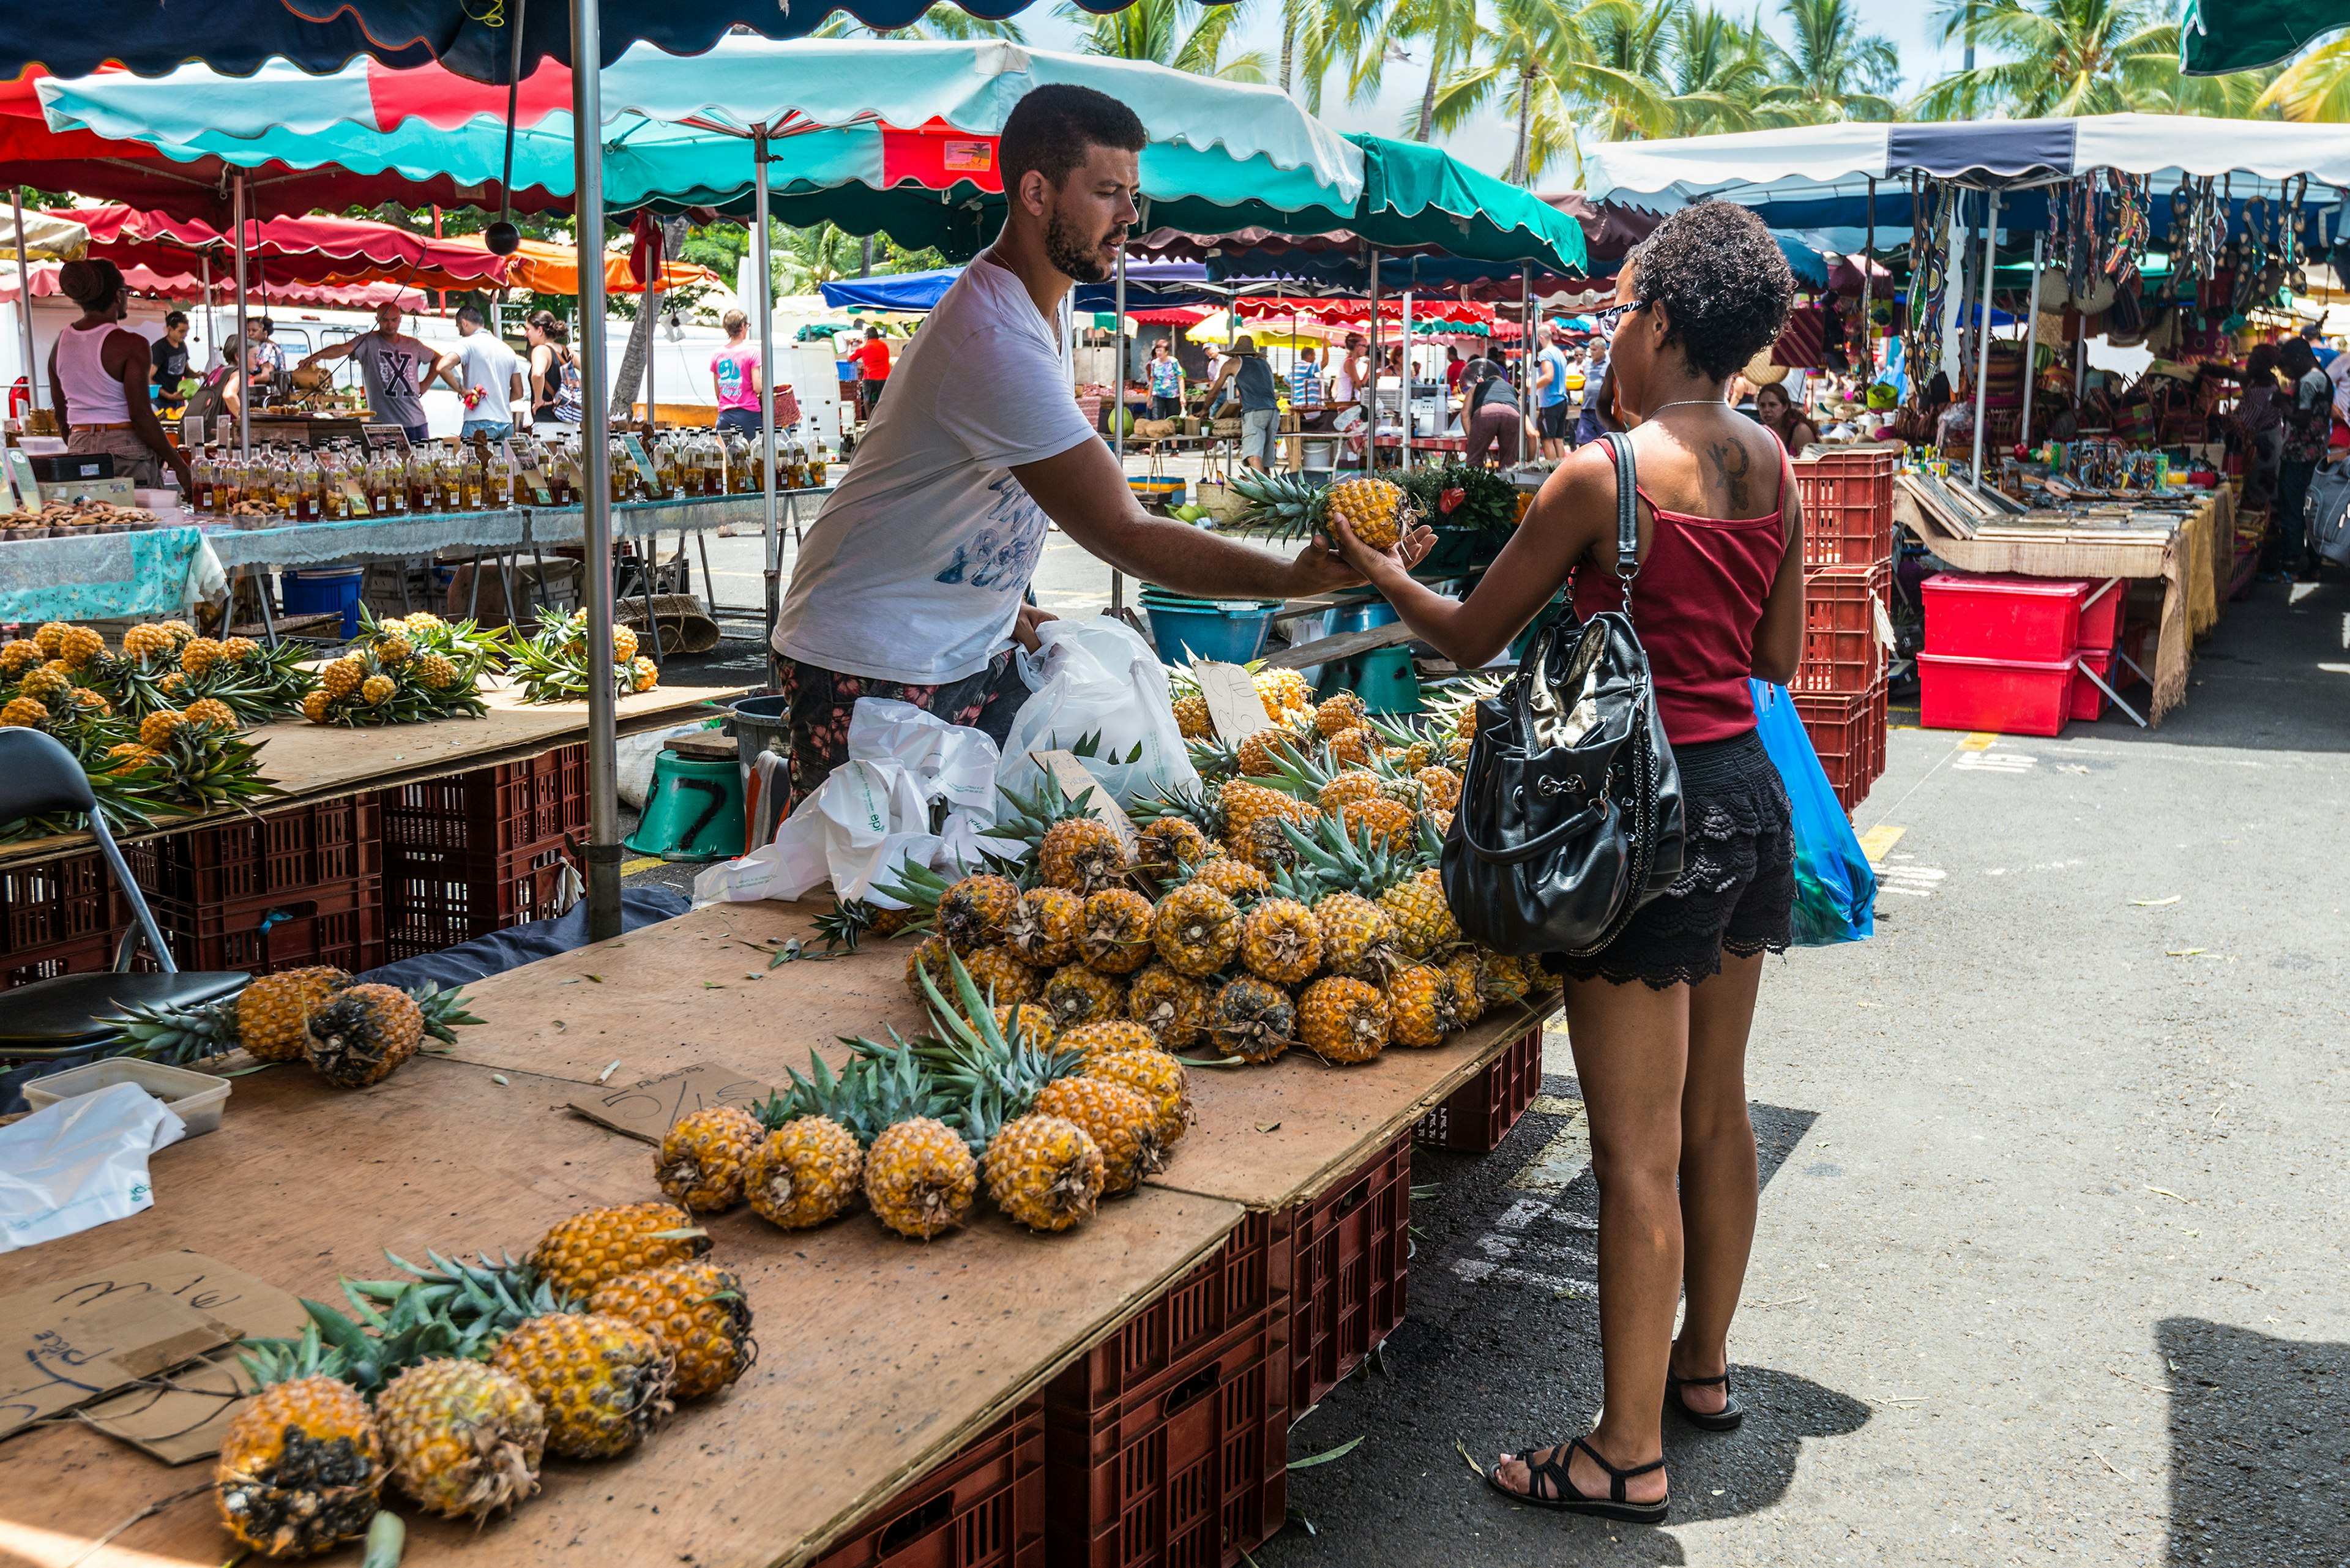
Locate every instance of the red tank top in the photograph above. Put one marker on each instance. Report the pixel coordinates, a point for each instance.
(1696, 602)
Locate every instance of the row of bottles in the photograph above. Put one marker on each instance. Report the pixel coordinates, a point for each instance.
(345, 480)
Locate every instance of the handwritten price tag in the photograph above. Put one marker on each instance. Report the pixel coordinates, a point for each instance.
(648, 1110)
(1233, 705)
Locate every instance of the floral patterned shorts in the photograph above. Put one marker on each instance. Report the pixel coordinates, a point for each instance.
(818, 703)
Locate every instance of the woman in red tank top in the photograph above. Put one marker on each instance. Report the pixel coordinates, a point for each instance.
(1719, 597)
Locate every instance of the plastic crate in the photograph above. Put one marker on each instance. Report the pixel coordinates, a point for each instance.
(491, 811)
(90, 954)
(1190, 1468)
(984, 1508)
(1847, 734)
(1348, 1250)
(436, 900)
(2015, 697)
(2003, 616)
(276, 855)
(1847, 499)
(1477, 1115)
(340, 925)
(56, 903)
(2104, 607)
(1246, 1276)
(1842, 653)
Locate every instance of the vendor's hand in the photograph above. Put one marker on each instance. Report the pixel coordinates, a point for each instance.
(1376, 566)
(1024, 629)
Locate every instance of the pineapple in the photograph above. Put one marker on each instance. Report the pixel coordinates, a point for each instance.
(341, 676)
(199, 656)
(464, 1438)
(1191, 717)
(172, 684)
(624, 645)
(314, 706)
(1170, 844)
(1196, 930)
(1251, 1019)
(80, 646)
(392, 647)
(422, 621)
(272, 1015)
(127, 756)
(301, 1465)
(437, 672)
(89, 702)
(1281, 941)
(1043, 1170)
(845, 924)
(1389, 822)
(1358, 937)
(156, 728)
(208, 710)
(1029, 1024)
(1338, 714)
(1001, 976)
(51, 683)
(1354, 746)
(1114, 932)
(1440, 788)
(1171, 1006)
(239, 648)
(929, 956)
(1258, 751)
(1377, 510)
(1423, 921)
(21, 654)
(1079, 994)
(1343, 1021)
(1159, 1079)
(643, 674)
(596, 1245)
(803, 1173)
(1105, 1036)
(363, 1033)
(377, 689)
(1122, 1123)
(1236, 879)
(603, 1382)
(1423, 1003)
(1468, 976)
(702, 1155)
(974, 912)
(1043, 931)
(24, 712)
(1283, 689)
(921, 1177)
(1285, 505)
(1083, 854)
(1505, 978)
(697, 1312)
(51, 638)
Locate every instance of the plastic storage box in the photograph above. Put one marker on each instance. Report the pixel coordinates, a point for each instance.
(2032, 620)
(197, 1098)
(2015, 697)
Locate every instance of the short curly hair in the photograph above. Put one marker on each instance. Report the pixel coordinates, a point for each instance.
(1723, 280)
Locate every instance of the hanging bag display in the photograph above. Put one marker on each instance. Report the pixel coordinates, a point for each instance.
(1570, 815)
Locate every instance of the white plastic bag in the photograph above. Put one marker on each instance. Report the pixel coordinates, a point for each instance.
(81, 1162)
(1096, 676)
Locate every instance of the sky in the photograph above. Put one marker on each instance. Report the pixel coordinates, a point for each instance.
(1484, 144)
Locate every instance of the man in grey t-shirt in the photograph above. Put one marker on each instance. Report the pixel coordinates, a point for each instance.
(396, 368)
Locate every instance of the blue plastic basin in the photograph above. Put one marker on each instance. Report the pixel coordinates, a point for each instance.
(319, 592)
(1232, 630)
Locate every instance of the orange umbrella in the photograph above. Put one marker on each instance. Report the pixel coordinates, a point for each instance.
(544, 268)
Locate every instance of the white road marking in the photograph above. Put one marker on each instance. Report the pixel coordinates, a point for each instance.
(1532, 1230)
(1994, 763)
(1910, 881)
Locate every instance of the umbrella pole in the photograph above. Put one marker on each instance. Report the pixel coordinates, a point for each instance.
(243, 382)
(1372, 377)
(25, 298)
(1525, 362)
(211, 331)
(2032, 336)
(764, 286)
(1868, 277)
(1118, 424)
(1403, 390)
(1982, 338)
(603, 851)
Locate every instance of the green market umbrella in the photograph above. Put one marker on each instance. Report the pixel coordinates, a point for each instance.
(2217, 36)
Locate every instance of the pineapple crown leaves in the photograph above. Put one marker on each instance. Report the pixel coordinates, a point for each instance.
(823, 1093)
(453, 1307)
(1087, 746)
(885, 1085)
(1201, 807)
(269, 1362)
(176, 1036)
(845, 924)
(918, 887)
(1335, 858)
(1035, 813)
(444, 1011)
(970, 1050)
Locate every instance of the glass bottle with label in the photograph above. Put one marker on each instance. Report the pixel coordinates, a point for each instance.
(819, 468)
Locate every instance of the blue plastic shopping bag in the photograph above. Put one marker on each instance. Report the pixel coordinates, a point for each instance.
(1836, 888)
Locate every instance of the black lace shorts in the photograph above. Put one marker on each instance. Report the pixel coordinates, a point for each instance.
(1737, 888)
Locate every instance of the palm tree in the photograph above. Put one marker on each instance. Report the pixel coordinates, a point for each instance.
(1178, 33)
(1636, 40)
(1448, 30)
(1718, 70)
(1537, 60)
(2313, 87)
(2064, 57)
(951, 22)
(1833, 71)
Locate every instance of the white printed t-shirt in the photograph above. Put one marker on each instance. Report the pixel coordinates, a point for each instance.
(915, 568)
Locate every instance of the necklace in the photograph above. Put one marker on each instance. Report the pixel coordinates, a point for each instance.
(1687, 403)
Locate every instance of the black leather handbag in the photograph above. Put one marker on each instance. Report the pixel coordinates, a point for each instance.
(1570, 815)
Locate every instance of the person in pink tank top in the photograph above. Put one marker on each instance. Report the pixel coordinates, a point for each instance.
(734, 377)
(1719, 597)
(97, 374)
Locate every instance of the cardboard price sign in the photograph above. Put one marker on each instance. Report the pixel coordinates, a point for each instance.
(636, 449)
(1233, 705)
(531, 463)
(649, 1109)
(1070, 772)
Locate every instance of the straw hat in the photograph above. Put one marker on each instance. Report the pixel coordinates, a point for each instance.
(1761, 372)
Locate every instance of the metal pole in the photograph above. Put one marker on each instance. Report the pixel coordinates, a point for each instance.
(1868, 277)
(2032, 338)
(763, 291)
(1403, 392)
(1982, 338)
(1118, 420)
(211, 331)
(1525, 363)
(239, 363)
(25, 298)
(603, 851)
(1372, 377)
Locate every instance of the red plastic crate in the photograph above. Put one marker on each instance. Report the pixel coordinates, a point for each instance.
(984, 1508)
(90, 954)
(2014, 697)
(341, 925)
(1477, 1115)
(54, 903)
(277, 854)
(490, 812)
(435, 899)
(1848, 734)
(1246, 1275)
(1348, 1251)
(1847, 499)
(2003, 616)
(1841, 651)
(2103, 609)
(1187, 1469)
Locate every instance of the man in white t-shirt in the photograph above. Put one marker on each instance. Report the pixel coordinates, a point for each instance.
(492, 374)
(913, 584)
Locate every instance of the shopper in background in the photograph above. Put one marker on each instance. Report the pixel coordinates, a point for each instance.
(1346, 373)
(1165, 373)
(873, 369)
(1489, 415)
(1455, 366)
(490, 377)
(1774, 413)
(734, 374)
(2260, 425)
(554, 371)
(395, 368)
(169, 355)
(1600, 416)
(97, 380)
(1251, 375)
(2308, 424)
(1550, 392)
(1305, 380)
(265, 358)
(1659, 1018)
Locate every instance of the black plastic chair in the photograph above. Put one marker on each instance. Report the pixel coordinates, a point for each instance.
(57, 1021)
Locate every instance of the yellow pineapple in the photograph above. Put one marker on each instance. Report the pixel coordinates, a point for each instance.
(1468, 977)
(624, 645)
(1078, 993)
(1191, 717)
(465, 1440)
(643, 674)
(128, 755)
(1159, 1079)
(139, 642)
(1236, 879)
(1506, 978)
(1338, 713)
(51, 638)
(21, 654)
(1122, 1124)
(393, 648)
(1252, 1020)
(1114, 932)
(1106, 1036)
(1083, 854)
(1196, 930)
(1284, 689)
(314, 706)
(437, 672)
(1374, 508)
(1003, 977)
(201, 654)
(1029, 1024)
(90, 701)
(1173, 1006)
(1281, 941)
(1043, 931)
(973, 912)
(239, 648)
(210, 710)
(1389, 822)
(921, 1177)
(377, 689)
(1423, 921)
(52, 683)
(1044, 1171)
(1358, 937)
(341, 676)
(362, 1034)
(1343, 1021)
(929, 957)
(697, 1313)
(172, 684)
(301, 1465)
(1422, 1005)
(701, 1156)
(24, 712)
(156, 728)
(1440, 788)
(1354, 747)
(803, 1173)
(603, 1382)
(1169, 843)
(418, 622)
(273, 1012)
(81, 646)
(583, 1251)
(1259, 751)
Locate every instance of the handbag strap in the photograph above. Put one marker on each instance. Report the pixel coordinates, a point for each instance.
(1627, 516)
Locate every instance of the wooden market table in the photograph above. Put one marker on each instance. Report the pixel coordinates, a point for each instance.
(322, 762)
(879, 1357)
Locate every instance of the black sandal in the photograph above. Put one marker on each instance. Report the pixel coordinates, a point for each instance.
(1725, 1419)
(1570, 1499)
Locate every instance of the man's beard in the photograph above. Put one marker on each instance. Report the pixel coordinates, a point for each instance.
(1072, 253)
